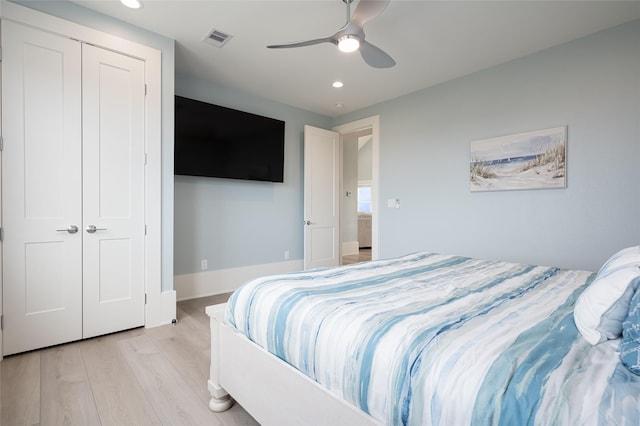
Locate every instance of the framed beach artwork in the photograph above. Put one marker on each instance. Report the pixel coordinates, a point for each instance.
(529, 160)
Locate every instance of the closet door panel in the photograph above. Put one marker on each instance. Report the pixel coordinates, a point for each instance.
(42, 183)
(113, 191)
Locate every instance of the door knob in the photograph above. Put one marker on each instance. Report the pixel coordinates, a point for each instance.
(307, 222)
(72, 229)
(92, 228)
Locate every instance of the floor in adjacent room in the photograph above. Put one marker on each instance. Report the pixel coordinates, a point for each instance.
(364, 255)
(138, 377)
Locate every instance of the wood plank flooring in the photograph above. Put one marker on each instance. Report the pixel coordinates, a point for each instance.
(364, 255)
(155, 376)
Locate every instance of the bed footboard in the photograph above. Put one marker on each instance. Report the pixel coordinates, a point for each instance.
(220, 399)
(260, 382)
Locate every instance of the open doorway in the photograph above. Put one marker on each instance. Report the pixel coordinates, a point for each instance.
(359, 190)
(356, 216)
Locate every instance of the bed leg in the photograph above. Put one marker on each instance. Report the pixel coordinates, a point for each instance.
(220, 399)
(219, 405)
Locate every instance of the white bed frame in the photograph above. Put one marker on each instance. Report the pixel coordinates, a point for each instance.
(272, 391)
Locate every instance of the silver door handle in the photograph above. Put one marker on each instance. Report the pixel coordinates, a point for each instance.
(72, 229)
(92, 228)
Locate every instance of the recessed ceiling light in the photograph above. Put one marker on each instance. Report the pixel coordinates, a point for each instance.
(337, 84)
(339, 105)
(133, 4)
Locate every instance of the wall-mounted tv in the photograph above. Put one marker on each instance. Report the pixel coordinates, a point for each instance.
(215, 141)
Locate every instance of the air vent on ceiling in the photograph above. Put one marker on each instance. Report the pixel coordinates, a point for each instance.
(217, 37)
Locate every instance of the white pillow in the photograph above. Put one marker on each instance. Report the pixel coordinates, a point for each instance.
(603, 306)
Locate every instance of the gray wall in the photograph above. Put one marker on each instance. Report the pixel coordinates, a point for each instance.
(592, 85)
(365, 161)
(89, 18)
(234, 223)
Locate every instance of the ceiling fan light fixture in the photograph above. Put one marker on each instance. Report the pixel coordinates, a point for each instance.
(348, 43)
(351, 36)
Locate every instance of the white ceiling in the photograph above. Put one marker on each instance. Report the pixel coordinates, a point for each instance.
(431, 41)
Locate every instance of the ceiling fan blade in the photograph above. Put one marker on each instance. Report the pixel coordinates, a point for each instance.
(367, 10)
(375, 57)
(303, 43)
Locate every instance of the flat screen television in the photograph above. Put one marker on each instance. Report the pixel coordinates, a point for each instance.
(215, 141)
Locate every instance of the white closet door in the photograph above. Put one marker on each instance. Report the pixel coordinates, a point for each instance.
(113, 191)
(42, 184)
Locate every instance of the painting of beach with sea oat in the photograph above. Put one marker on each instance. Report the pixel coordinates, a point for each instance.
(530, 160)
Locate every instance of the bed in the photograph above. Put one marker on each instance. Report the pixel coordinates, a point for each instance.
(433, 339)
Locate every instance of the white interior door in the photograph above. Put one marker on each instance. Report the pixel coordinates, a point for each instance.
(113, 197)
(42, 184)
(321, 198)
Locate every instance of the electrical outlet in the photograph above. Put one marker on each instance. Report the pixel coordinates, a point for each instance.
(286, 255)
(204, 264)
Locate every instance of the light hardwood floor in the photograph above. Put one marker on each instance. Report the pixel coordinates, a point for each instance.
(155, 376)
(364, 255)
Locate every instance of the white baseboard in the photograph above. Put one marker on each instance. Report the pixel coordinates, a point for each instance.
(350, 247)
(209, 283)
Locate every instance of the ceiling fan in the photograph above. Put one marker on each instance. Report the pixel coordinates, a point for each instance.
(351, 36)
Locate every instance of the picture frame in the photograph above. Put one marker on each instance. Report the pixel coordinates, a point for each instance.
(528, 160)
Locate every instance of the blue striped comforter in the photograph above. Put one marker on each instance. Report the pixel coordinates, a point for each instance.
(430, 339)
